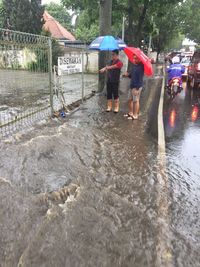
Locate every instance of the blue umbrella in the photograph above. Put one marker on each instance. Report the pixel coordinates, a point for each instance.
(107, 42)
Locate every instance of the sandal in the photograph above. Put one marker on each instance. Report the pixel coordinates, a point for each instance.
(135, 117)
(127, 115)
(130, 117)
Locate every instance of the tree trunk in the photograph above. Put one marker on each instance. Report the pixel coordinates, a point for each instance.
(158, 53)
(141, 22)
(105, 16)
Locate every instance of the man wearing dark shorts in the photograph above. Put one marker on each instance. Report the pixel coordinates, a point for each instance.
(136, 75)
(113, 69)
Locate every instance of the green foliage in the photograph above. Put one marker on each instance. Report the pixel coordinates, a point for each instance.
(1, 14)
(16, 66)
(36, 21)
(85, 29)
(167, 27)
(79, 5)
(57, 51)
(60, 14)
(87, 22)
(22, 15)
(190, 19)
(87, 34)
(40, 64)
(20, 18)
(170, 18)
(32, 66)
(175, 43)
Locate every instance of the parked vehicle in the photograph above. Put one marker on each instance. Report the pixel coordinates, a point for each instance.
(188, 54)
(194, 71)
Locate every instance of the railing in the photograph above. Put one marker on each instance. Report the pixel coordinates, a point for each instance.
(28, 92)
(71, 81)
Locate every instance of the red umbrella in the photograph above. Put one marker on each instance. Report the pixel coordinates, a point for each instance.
(130, 51)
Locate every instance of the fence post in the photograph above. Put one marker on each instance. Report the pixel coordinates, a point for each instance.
(50, 75)
(83, 93)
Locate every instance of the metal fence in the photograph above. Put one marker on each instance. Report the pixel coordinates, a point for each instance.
(28, 92)
(73, 83)
(25, 80)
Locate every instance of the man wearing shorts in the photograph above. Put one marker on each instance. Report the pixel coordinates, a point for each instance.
(136, 84)
(113, 69)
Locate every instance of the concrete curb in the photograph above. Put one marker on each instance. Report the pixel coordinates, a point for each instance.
(163, 246)
(161, 131)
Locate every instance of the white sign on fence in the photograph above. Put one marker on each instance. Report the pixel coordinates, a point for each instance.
(70, 64)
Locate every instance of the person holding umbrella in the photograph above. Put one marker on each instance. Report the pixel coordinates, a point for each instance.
(113, 69)
(136, 84)
(141, 65)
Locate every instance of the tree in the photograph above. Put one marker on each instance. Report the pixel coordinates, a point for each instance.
(138, 14)
(105, 18)
(190, 17)
(7, 8)
(60, 14)
(57, 51)
(1, 15)
(22, 15)
(87, 22)
(166, 27)
(87, 34)
(36, 22)
(40, 63)
(87, 28)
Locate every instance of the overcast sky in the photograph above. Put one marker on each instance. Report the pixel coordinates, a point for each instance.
(49, 1)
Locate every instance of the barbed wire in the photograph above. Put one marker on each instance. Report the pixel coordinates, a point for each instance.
(16, 37)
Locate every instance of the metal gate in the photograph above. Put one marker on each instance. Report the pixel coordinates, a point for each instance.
(25, 80)
(72, 81)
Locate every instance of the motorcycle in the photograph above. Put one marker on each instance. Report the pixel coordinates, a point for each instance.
(174, 87)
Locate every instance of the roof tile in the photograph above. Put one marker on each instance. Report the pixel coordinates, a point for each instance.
(55, 28)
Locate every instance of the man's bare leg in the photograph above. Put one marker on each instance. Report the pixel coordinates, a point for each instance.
(136, 108)
(130, 105)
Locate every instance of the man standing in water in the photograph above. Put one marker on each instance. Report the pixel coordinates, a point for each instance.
(113, 69)
(136, 84)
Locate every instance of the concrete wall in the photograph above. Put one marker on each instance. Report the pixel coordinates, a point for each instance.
(91, 62)
(90, 59)
(124, 59)
(18, 59)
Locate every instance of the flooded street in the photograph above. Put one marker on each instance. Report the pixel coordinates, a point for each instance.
(31, 91)
(84, 191)
(182, 129)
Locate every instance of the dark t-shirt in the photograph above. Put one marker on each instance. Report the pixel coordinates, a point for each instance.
(137, 74)
(114, 74)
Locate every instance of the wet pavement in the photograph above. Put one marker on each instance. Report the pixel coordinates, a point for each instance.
(85, 191)
(182, 129)
(31, 91)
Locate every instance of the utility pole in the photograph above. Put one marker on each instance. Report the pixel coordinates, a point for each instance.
(150, 37)
(150, 41)
(123, 28)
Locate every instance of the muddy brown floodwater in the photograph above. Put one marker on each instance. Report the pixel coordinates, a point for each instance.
(84, 191)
